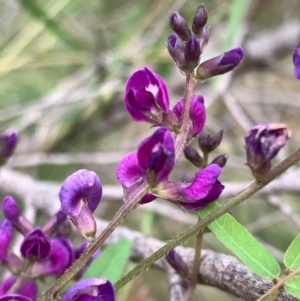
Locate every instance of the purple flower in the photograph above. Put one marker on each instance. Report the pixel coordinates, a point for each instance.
(91, 289)
(204, 189)
(263, 142)
(153, 162)
(197, 113)
(12, 212)
(36, 244)
(146, 96)
(60, 258)
(179, 25)
(220, 64)
(78, 253)
(177, 263)
(6, 233)
(27, 289)
(8, 143)
(176, 49)
(79, 196)
(296, 61)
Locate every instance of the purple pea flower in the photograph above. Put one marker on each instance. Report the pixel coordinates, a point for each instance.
(12, 212)
(204, 189)
(153, 162)
(36, 244)
(263, 142)
(91, 289)
(27, 289)
(220, 64)
(78, 253)
(296, 61)
(146, 96)
(8, 143)
(197, 113)
(60, 258)
(79, 196)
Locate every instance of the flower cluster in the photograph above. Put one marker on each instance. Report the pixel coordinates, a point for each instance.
(45, 251)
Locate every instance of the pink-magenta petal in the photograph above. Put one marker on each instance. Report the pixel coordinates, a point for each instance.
(6, 233)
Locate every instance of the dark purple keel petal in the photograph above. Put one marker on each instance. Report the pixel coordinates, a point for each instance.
(202, 184)
(36, 244)
(83, 186)
(91, 287)
(6, 233)
(212, 196)
(296, 61)
(27, 289)
(157, 154)
(147, 198)
(128, 170)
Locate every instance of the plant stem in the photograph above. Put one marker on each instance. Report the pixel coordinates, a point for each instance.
(196, 266)
(279, 284)
(95, 245)
(181, 138)
(200, 226)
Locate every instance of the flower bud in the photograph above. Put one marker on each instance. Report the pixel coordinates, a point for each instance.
(204, 38)
(177, 263)
(220, 64)
(8, 143)
(193, 156)
(200, 20)
(207, 143)
(179, 25)
(220, 160)
(296, 61)
(176, 49)
(263, 143)
(192, 52)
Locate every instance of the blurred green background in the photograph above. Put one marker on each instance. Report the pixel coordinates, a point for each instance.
(63, 68)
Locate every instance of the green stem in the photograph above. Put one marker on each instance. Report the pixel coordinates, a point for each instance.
(200, 226)
(94, 246)
(181, 138)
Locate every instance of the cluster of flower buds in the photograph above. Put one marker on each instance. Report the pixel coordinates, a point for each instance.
(45, 251)
(207, 144)
(263, 142)
(186, 46)
(296, 61)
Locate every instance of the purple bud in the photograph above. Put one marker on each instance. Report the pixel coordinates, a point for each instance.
(209, 143)
(27, 289)
(220, 64)
(156, 155)
(179, 25)
(8, 143)
(6, 233)
(53, 224)
(204, 38)
(200, 20)
(59, 260)
(193, 156)
(263, 142)
(296, 61)
(177, 51)
(197, 113)
(177, 263)
(220, 160)
(146, 96)
(192, 52)
(79, 196)
(12, 212)
(36, 244)
(91, 289)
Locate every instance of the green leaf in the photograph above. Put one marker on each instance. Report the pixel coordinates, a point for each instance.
(240, 242)
(111, 262)
(292, 286)
(292, 255)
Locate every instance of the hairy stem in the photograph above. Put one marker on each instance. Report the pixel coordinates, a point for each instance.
(200, 226)
(181, 138)
(94, 246)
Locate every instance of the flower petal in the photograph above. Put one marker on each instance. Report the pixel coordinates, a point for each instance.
(6, 233)
(296, 61)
